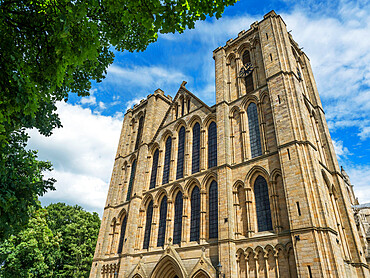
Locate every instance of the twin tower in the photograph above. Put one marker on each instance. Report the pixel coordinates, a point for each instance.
(249, 187)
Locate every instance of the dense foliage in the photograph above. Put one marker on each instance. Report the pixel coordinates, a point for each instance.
(79, 232)
(58, 241)
(50, 48)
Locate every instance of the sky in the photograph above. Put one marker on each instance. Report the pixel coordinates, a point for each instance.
(334, 34)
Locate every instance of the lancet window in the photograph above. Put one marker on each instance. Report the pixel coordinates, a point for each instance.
(212, 145)
(162, 222)
(178, 219)
(153, 177)
(249, 78)
(213, 210)
(139, 132)
(196, 149)
(180, 154)
(254, 130)
(195, 214)
(261, 196)
(123, 231)
(148, 225)
(132, 179)
(167, 161)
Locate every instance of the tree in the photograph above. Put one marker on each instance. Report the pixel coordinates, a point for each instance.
(79, 232)
(50, 48)
(32, 252)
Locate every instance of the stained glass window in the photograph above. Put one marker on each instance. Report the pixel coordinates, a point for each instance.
(212, 145)
(122, 238)
(139, 132)
(148, 225)
(254, 130)
(196, 149)
(132, 179)
(261, 196)
(213, 210)
(180, 154)
(249, 78)
(178, 219)
(153, 177)
(167, 160)
(195, 215)
(162, 222)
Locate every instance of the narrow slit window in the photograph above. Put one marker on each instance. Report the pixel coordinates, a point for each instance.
(188, 105)
(162, 222)
(181, 154)
(153, 177)
(139, 132)
(167, 161)
(148, 225)
(182, 107)
(195, 165)
(288, 154)
(299, 209)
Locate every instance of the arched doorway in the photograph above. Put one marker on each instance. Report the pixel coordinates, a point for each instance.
(167, 267)
(200, 274)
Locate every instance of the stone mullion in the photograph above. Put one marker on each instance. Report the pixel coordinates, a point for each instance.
(203, 213)
(232, 140)
(248, 205)
(148, 170)
(262, 128)
(239, 269)
(172, 159)
(228, 80)
(246, 256)
(124, 186)
(202, 150)
(276, 257)
(187, 158)
(274, 198)
(237, 212)
(154, 227)
(266, 259)
(160, 168)
(185, 224)
(169, 222)
(254, 63)
(244, 134)
(239, 81)
(255, 257)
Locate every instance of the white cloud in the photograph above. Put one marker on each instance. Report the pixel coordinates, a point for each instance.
(82, 153)
(340, 150)
(133, 102)
(361, 181)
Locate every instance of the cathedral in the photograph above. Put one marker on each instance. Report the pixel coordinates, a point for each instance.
(248, 187)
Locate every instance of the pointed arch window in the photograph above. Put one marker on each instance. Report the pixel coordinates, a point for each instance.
(213, 210)
(249, 78)
(148, 225)
(261, 196)
(195, 214)
(162, 222)
(180, 154)
(254, 130)
(212, 145)
(178, 219)
(153, 177)
(196, 149)
(167, 160)
(123, 231)
(139, 132)
(132, 180)
(182, 106)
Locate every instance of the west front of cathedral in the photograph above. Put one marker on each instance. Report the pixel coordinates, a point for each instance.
(249, 187)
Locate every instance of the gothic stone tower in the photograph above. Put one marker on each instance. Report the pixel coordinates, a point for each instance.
(249, 187)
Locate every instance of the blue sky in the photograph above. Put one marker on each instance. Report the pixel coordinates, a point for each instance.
(334, 34)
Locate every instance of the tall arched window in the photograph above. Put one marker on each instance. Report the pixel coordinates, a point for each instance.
(254, 130)
(167, 160)
(139, 132)
(212, 145)
(162, 222)
(148, 225)
(182, 106)
(213, 210)
(196, 149)
(132, 179)
(261, 196)
(249, 78)
(153, 177)
(178, 219)
(180, 154)
(123, 231)
(195, 215)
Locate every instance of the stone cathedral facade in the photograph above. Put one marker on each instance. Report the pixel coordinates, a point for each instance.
(249, 187)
